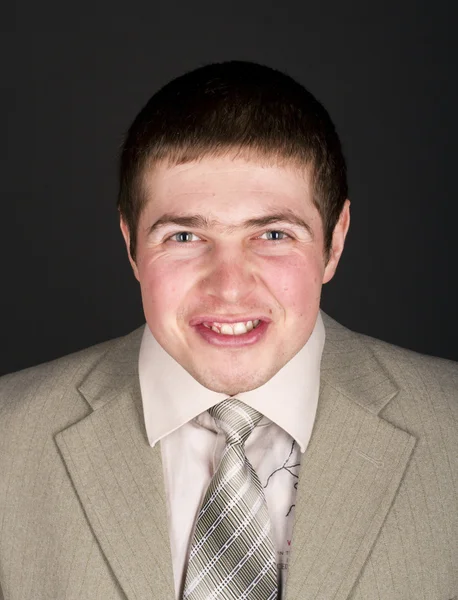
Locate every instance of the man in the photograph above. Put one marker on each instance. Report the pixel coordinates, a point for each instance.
(242, 444)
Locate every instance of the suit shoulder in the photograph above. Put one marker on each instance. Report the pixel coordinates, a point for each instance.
(397, 361)
(56, 376)
(429, 371)
(427, 395)
(424, 384)
(56, 369)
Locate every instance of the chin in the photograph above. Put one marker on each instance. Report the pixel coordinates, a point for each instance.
(234, 385)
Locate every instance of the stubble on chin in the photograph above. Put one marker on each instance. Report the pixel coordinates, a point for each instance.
(232, 382)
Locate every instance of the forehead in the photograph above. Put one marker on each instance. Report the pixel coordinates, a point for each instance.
(219, 178)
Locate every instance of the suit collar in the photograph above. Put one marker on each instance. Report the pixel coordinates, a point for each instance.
(115, 370)
(351, 367)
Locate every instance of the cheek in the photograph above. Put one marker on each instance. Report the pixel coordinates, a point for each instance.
(295, 282)
(164, 287)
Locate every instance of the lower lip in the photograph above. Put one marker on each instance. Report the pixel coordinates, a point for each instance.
(232, 341)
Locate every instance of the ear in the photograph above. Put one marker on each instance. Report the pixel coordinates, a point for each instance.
(126, 235)
(338, 242)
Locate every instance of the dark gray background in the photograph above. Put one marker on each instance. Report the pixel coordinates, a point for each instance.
(73, 78)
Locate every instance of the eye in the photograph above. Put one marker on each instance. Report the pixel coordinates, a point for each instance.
(274, 235)
(182, 237)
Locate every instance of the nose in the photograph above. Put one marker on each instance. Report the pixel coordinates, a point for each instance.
(230, 278)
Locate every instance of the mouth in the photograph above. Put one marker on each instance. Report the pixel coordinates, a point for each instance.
(231, 332)
(238, 328)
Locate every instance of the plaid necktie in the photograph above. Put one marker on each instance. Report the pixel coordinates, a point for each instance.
(232, 555)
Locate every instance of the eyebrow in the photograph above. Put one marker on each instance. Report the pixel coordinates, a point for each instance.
(201, 222)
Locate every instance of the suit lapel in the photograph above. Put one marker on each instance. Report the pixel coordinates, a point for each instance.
(349, 474)
(118, 478)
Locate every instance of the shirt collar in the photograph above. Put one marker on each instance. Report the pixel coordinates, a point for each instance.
(171, 396)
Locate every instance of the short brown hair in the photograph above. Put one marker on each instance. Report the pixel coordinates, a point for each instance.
(239, 107)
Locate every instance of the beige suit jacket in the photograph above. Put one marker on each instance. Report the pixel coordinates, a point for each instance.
(82, 502)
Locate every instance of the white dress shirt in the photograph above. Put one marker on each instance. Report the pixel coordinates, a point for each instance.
(175, 410)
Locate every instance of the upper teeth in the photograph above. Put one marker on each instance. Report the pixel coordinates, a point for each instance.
(233, 328)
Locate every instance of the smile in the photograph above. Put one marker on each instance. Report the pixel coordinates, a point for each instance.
(236, 334)
(233, 328)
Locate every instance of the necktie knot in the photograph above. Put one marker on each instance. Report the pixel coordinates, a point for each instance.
(236, 419)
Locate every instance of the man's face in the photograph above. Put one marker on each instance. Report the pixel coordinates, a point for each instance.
(224, 241)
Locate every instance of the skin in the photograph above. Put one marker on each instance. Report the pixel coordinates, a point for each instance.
(221, 268)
